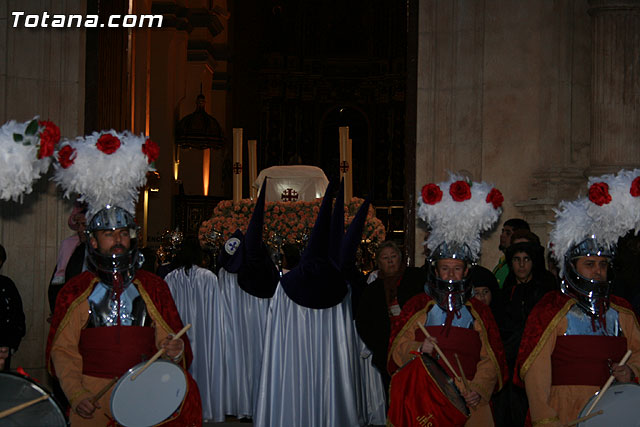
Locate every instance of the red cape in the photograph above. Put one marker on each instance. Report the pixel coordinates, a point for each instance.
(544, 317)
(163, 310)
(81, 287)
(479, 312)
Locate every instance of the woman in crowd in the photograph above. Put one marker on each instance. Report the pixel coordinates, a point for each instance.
(382, 300)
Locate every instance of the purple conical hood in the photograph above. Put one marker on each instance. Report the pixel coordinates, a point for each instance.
(258, 275)
(318, 244)
(353, 237)
(316, 281)
(253, 236)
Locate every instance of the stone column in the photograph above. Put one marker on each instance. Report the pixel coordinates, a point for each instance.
(615, 105)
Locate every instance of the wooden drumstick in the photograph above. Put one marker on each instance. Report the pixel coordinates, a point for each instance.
(159, 353)
(22, 406)
(608, 383)
(105, 389)
(585, 418)
(440, 353)
(464, 377)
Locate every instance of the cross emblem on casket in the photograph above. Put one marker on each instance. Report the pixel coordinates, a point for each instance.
(289, 195)
(344, 166)
(237, 168)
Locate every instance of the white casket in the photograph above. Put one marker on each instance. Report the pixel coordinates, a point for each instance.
(293, 183)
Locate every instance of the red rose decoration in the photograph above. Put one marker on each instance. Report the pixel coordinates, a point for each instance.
(151, 150)
(635, 187)
(460, 191)
(431, 194)
(66, 156)
(599, 193)
(108, 143)
(49, 137)
(495, 198)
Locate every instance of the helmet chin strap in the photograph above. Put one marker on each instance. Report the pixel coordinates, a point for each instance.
(118, 286)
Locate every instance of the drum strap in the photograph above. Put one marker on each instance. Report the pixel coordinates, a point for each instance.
(112, 351)
(585, 359)
(461, 341)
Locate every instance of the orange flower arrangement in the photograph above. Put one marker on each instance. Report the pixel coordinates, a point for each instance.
(289, 220)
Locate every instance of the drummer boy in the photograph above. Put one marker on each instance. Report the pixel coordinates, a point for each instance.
(575, 338)
(113, 316)
(461, 326)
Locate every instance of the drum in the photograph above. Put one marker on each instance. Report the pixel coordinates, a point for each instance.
(422, 393)
(16, 389)
(152, 397)
(620, 406)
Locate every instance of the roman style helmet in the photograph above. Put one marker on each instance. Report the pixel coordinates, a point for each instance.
(458, 211)
(591, 226)
(107, 170)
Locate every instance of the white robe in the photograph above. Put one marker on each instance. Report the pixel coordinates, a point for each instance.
(371, 397)
(198, 300)
(309, 370)
(245, 319)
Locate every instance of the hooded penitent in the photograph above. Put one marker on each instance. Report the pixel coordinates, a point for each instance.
(257, 274)
(316, 282)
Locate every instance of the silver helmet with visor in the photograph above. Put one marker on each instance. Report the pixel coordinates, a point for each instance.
(591, 295)
(114, 266)
(449, 294)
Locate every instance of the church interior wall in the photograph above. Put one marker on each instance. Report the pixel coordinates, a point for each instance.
(41, 72)
(503, 96)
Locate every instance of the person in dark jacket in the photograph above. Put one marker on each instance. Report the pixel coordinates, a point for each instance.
(12, 321)
(527, 282)
(382, 300)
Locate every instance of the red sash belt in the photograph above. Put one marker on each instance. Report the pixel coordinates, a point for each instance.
(112, 351)
(583, 359)
(464, 342)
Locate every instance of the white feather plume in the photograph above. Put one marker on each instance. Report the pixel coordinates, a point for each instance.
(105, 179)
(19, 163)
(459, 222)
(579, 219)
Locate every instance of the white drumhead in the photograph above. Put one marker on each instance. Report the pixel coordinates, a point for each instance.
(152, 397)
(620, 405)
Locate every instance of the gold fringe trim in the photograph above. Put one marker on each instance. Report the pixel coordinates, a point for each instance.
(545, 336)
(66, 319)
(634, 368)
(485, 340)
(410, 324)
(153, 311)
(157, 317)
(546, 421)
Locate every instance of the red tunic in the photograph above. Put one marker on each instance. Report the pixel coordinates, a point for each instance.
(162, 310)
(480, 351)
(560, 373)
